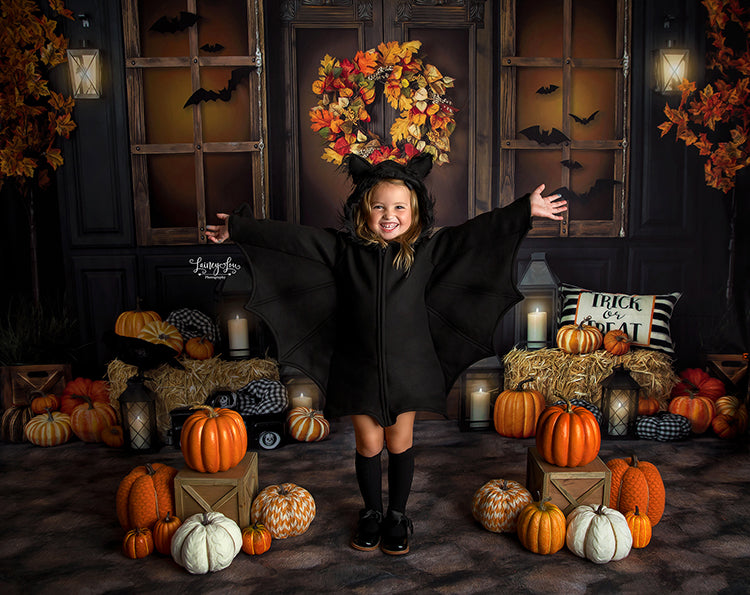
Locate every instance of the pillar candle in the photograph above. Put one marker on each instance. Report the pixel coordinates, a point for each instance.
(237, 331)
(139, 431)
(302, 401)
(479, 406)
(618, 416)
(536, 334)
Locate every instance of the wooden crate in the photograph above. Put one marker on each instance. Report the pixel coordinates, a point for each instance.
(568, 487)
(228, 492)
(19, 381)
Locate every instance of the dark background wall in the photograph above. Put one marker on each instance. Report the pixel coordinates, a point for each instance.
(677, 234)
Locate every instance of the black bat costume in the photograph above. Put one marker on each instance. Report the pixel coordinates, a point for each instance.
(380, 341)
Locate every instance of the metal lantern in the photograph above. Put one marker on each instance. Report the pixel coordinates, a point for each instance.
(536, 315)
(619, 404)
(480, 385)
(138, 414)
(301, 390)
(670, 68)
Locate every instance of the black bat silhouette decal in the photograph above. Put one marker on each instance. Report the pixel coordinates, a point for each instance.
(547, 90)
(544, 137)
(571, 164)
(602, 185)
(173, 25)
(584, 121)
(238, 74)
(212, 47)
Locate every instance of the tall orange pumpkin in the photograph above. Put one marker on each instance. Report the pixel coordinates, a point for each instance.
(145, 495)
(517, 411)
(568, 436)
(640, 527)
(699, 410)
(213, 440)
(581, 338)
(634, 484)
(89, 420)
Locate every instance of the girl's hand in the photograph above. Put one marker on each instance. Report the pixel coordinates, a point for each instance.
(547, 206)
(218, 233)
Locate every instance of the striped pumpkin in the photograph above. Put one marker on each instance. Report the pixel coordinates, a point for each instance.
(498, 503)
(14, 421)
(162, 333)
(579, 338)
(307, 425)
(48, 429)
(733, 407)
(285, 509)
(91, 419)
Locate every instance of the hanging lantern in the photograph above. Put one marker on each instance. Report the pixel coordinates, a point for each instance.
(138, 414)
(619, 404)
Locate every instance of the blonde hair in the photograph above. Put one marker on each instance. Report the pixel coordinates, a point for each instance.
(405, 257)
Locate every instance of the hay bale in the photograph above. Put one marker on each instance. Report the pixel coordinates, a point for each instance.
(191, 386)
(558, 374)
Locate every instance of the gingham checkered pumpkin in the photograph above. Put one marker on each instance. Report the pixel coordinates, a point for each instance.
(663, 427)
(497, 504)
(285, 509)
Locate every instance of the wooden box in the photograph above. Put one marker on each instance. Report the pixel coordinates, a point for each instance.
(568, 487)
(18, 382)
(228, 492)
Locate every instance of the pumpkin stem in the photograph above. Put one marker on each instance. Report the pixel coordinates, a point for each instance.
(599, 510)
(636, 510)
(585, 322)
(210, 410)
(168, 517)
(87, 399)
(205, 519)
(634, 462)
(50, 418)
(149, 469)
(519, 388)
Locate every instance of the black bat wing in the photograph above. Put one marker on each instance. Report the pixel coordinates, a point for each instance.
(571, 164)
(553, 137)
(601, 185)
(532, 133)
(584, 121)
(212, 47)
(201, 95)
(566, 193)
(173, 25)
(547, 90)
(238, 75)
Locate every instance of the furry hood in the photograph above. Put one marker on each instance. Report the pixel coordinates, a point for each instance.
(365, 175)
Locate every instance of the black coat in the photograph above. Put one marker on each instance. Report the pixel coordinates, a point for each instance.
(379, 341)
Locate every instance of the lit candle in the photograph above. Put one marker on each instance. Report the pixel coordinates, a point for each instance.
(536, 334)
(479, 406)
(137, 420)
(618, 416)
(237, 331)
(302, 401)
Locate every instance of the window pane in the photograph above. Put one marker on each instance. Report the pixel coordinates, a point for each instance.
(537, 103)
(225, 121)
(165, 91)
(593, 185)
(171, 181)
(222, 23)
(539, 28)
(229, 182)
(537, 167)
(593, 96)
(162, 43)
(595, 29)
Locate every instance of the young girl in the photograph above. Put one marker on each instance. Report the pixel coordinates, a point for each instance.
(384, 314)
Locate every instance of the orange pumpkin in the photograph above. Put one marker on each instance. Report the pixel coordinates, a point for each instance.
(568, 436)
(581, 338)
(256, 539)
(697, 382)
(285, 510)
(145, 495)
(307, 425)
(76, 390)
(699, 410)
(497, 504)
(616, 342)
(163, 530)
(41, 402)
(48, 429)
(113, 436)
(130, 322)
(162, 333)
(732, 406)
(199, 348)
(90, 419)
(725, 426)
(517, 411)
(138, 543)
(213, 440)
(648, 406)
(640, 527)
(634, 484)
(541, 527)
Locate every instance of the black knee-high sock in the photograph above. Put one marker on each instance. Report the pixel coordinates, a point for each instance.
(400, 474)
(369, 478)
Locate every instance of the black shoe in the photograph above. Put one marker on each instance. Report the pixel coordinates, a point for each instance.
(367, 537)
(395, 533)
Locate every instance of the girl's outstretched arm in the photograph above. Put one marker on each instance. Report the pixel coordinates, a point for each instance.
(218, 233)
(549, 207)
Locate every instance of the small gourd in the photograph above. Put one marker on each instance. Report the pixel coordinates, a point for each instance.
(256, 539)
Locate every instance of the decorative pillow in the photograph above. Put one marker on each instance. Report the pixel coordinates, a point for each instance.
(645, 318)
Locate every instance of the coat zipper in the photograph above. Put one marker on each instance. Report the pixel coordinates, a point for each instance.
(380, 320)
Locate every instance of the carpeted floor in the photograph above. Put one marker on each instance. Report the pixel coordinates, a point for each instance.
(60, 534)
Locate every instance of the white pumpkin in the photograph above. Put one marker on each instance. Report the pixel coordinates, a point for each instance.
(206, 542)
(599, 534)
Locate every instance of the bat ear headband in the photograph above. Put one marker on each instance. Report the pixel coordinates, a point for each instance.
(415, 171)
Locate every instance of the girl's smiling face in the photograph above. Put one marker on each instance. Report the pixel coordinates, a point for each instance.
(391, 212)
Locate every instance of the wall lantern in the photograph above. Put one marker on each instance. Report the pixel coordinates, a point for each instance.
(480, 385)
(536, 315)
(670, 68)
(619, 404)
(138, 415)
(84, 66)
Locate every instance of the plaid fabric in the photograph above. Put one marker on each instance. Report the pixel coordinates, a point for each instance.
(590, 406)
(261, 397)
(663, 426)
(193, 323)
